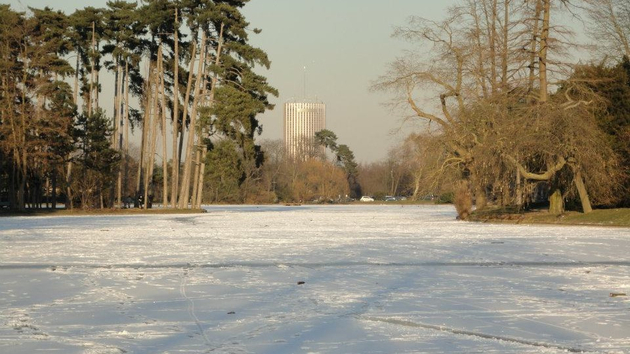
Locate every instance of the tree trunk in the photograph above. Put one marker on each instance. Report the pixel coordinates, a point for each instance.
(542, 58)
(69, 197)
(117, 86)
(12, 191)
(481, 201)
(534, 45)
(120, 137)
(180, 198)
(492, 34)
(556, 203)
(180, 151)
(463, 200)
(416, 186)
(92, 73)
(163, 126)
(506, 196)
(118, 130)
(583, 193)
(202, 171)
(197, 168)
(24, 174)
(84, 199)
(140, 185)
(126, 131)
(20, 148)
(210, 103)
(184, 192)
(478, 189)
(148, 178)
(505, 48)
(76, 82)
(480, 53)
(54, 189)
(519, 190)
(175, 160)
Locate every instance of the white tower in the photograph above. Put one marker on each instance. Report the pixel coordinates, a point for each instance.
(302, 119)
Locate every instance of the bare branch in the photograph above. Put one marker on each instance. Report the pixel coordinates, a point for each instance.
(545, 176)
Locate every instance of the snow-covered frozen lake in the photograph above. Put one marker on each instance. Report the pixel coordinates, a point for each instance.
(310, 279)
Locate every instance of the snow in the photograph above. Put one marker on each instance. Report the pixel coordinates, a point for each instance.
(377, 279)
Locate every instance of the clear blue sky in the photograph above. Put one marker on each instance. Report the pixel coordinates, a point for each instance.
(344, 44)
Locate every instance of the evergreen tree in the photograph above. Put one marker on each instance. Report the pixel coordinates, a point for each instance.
(229, 79)
(12, 129)
(86, 32)
(36, 114)
(612, 83)
(327, 139)
(122, 34)
(97, 161)
(226, 173)
(55, 107)
(344, 157)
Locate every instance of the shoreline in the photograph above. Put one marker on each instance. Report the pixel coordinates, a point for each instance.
(619, 217)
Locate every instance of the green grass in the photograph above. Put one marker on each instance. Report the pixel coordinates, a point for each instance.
(601, 217)
(598, 217)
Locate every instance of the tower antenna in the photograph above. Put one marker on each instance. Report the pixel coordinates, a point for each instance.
(304, 93)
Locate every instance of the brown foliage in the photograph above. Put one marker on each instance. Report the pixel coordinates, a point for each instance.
(319, 180)
(463, 201)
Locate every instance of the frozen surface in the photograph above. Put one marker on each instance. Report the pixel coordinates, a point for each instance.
(377, 279)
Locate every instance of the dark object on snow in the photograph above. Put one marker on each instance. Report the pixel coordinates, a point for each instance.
(617, 294)
(301, 283)
(231, 313)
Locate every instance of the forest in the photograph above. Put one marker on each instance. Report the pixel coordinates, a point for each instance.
(512, 112)
(184, 79)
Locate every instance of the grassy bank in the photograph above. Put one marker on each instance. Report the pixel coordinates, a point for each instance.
(599, 217)
(65, 212)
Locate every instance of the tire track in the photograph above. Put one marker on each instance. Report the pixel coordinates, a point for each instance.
(191, 307)
(472, 334)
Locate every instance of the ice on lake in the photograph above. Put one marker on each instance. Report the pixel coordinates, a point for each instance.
(310, 279)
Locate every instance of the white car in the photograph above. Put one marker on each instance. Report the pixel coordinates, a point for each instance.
(365, 198)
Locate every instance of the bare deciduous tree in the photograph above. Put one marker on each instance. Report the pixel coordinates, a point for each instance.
(491, 77)
(609, 25)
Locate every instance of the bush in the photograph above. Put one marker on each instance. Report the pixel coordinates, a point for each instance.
(445, 198)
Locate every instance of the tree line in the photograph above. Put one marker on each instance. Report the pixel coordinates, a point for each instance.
(187, 63)
(510, 120)
(325, 172)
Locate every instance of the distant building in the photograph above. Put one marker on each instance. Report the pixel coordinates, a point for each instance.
(302, 119)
